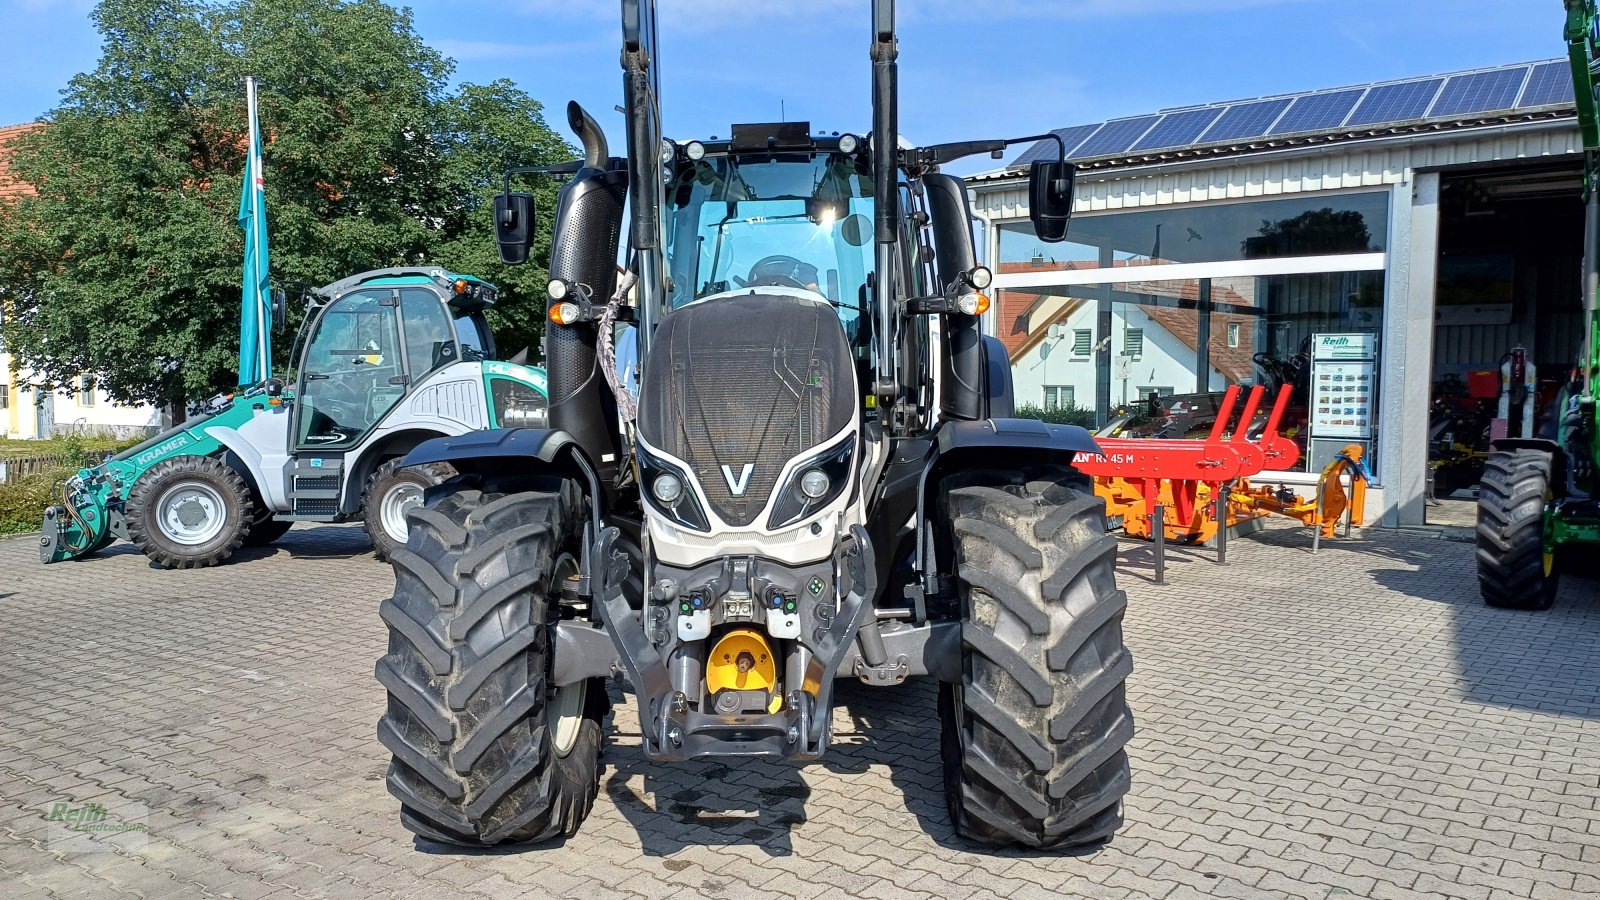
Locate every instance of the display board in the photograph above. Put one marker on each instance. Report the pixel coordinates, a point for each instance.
(1344, 386)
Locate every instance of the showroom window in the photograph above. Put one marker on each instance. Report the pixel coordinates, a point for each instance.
(1204, 295)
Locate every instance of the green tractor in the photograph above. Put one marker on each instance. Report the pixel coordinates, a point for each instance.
(384, 361)
(1540, 497)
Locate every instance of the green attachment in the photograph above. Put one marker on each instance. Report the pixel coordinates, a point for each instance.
(89, 516)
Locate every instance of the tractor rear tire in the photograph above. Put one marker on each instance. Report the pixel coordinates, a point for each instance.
(1034, 735)
(484, 753)
(1513, 570)
(391, 491)
(189, 512)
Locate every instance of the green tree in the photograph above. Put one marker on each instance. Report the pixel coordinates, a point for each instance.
(125, 264)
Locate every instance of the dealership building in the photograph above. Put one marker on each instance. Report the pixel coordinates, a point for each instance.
(1394, 241)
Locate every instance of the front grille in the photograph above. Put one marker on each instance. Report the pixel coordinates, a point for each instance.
(752, 380)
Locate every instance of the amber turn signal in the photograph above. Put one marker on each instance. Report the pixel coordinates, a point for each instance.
(564, 313)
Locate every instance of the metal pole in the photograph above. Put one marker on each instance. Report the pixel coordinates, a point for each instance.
(1316, 532)
(1158, 529)
(1222, 524)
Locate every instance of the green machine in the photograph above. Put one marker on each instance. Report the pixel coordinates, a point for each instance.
(1541, 496)
(384, 361)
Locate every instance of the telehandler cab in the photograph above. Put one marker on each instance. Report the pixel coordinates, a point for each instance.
(819, 479)
(384, 360)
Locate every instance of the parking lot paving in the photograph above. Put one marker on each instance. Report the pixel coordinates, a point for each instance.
(1349, 724)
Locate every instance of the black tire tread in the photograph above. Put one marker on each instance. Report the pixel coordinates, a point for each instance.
(1035, 735)
(429, 474)
(146, 535)
(1510, 530)
(469, 642)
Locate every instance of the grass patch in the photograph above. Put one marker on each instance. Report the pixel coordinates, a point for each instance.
(82, 449)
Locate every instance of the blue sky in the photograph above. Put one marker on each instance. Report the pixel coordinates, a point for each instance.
(969, 68)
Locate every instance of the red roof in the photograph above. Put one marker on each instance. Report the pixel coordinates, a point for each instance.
(9, 185)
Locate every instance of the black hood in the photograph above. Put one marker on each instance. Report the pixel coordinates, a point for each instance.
(750, 380)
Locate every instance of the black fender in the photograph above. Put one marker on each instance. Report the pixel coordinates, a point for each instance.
(514, 451)
(986, 443)
(1558, 457)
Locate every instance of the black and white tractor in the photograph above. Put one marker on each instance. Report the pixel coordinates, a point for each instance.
(818, 477)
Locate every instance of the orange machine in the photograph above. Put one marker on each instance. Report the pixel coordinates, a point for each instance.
(1327, 507)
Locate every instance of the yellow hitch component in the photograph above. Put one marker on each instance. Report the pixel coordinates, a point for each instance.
(741, 661)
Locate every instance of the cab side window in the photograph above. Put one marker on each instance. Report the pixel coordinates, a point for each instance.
(430, 336)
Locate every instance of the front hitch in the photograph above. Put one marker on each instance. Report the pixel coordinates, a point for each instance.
(673, 731)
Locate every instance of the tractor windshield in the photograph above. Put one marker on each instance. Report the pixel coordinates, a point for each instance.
(799, 222)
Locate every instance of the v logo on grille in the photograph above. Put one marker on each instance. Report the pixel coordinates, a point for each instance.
(738, 485)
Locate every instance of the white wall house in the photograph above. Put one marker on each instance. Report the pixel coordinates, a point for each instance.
(30, 412)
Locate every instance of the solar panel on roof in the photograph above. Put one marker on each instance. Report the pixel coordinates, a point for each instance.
(1179, 128)
(1550, 83)
(1243, 120)
(1071, 137)
(1315, 111)
(1480, 92)
(1115, 137)
(1396, 102)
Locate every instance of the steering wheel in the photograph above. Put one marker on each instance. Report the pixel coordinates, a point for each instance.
(781, 271)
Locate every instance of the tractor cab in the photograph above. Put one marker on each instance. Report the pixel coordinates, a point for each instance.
(374, 336)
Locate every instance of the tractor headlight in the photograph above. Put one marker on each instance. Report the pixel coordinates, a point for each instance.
(695, 151)
(848, 143)
(668, 491)
(813, 484)
(667, 488)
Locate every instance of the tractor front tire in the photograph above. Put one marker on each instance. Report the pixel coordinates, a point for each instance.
(1513, 570)
(391, 492)
(1034, 734)
(189, 512)
(484, 751)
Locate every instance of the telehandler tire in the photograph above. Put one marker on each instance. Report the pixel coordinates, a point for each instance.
(1513, 570)
(266, 529)
(189, 512)
(484, 751)
(1034, 734)
(391, 492)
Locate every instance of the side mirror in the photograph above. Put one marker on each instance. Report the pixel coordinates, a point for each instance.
(1050, 198)
(280, 310)
(513, 226)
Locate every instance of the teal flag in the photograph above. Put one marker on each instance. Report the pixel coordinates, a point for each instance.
(255, 319)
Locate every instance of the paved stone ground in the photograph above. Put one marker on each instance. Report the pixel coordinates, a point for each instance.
(1353, 723)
